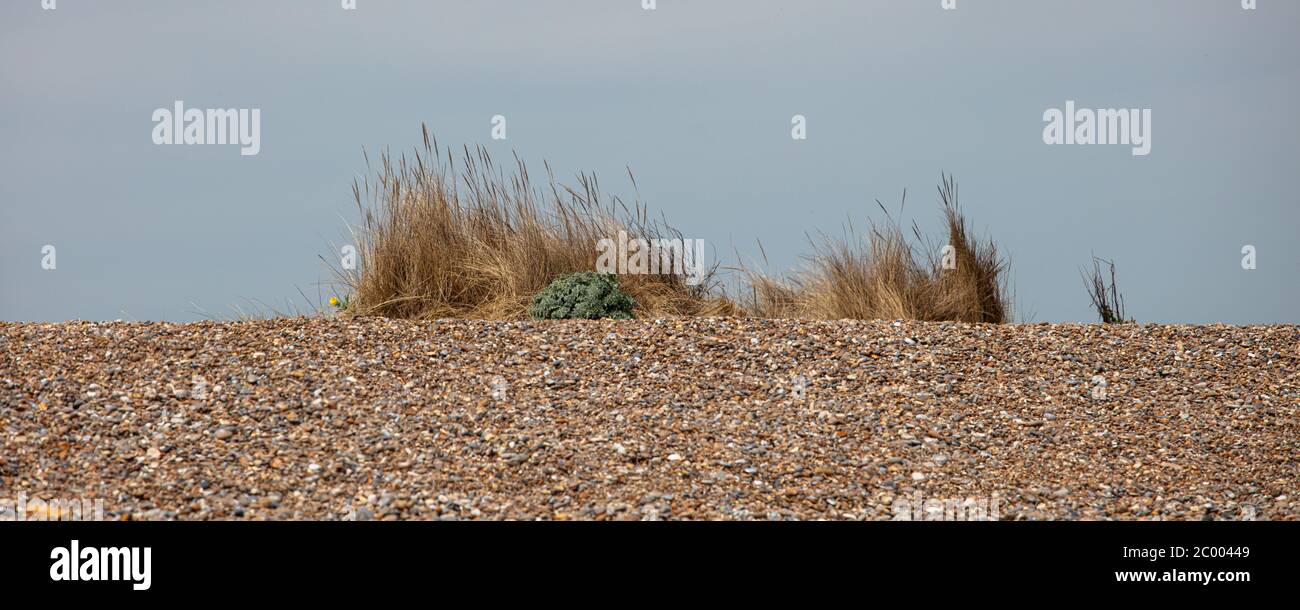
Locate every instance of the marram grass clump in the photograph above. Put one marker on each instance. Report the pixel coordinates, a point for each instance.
(456, 236)
(444, 236)
(585, 295)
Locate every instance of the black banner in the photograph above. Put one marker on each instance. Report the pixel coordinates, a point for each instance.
(172, 562)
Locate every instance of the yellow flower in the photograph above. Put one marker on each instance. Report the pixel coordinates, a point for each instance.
(334, 301)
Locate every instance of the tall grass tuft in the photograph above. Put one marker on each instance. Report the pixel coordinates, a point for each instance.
(880, 276)
(1105, 297)
(442, 240)
(455, 236)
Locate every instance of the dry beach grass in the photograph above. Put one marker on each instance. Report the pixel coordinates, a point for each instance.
(442, 238)
(881, 277)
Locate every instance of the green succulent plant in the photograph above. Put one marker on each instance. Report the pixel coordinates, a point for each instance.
(584, 295)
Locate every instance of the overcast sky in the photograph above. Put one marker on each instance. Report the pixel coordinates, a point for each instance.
(695, 96)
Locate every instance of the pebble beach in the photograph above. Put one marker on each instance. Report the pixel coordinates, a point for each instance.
(700, 418)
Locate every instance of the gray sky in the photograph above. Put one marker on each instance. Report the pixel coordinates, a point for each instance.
(695, 96)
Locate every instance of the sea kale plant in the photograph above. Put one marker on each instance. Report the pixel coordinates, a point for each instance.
(583, 295)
